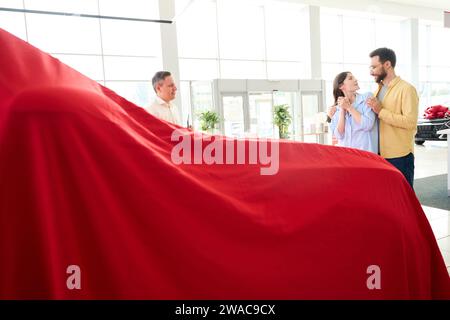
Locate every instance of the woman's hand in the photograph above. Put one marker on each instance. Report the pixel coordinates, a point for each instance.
(344, 103)
(331, 111)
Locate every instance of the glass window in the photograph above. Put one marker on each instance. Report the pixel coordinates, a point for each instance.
(70, 6)
(185, 93)
(286, 31)
(424, 92)
(439, 46)
(61, 34)
(360, 41)
(131, 68)
(424, 45)
(202, 99)
(439, 74)
(434, 44)
(242, 69)
(424, 73)
(13, 22)
(138, 92)
(332, 43)
(131, 38)
(286, 70)
(310, 107)
(329, 99)
(241, 31)
(403, 71)
(433, 93)
(143, 9)
(90, 66)
(289, 98)
(197, 31)
(181, 6)
(15, 4)
(331, 70)
(196, 69)
(434, 65)
(233, 114)
(360, 71)
(440, 93)
(261, 114)
(390, 34)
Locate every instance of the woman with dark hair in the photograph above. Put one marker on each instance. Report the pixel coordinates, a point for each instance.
(354, 123)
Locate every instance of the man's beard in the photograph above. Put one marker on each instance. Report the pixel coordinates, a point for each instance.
(381, 77)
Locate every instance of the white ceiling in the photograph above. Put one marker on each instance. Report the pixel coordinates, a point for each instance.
(436, 4)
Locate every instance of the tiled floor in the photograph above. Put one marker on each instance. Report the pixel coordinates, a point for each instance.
(431, 160)
(440, 223)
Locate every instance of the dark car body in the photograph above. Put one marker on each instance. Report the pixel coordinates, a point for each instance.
(427, 130)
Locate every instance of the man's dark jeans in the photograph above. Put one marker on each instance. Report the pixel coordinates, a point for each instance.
(406, 166)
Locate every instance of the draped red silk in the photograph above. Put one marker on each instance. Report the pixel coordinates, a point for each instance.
(87, 179)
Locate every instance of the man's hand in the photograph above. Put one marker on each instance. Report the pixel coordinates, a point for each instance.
(374, 104)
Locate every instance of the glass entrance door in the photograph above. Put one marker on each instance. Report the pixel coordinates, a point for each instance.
(290, 99)
(233, 114)
(261, 114)
(201, 100)
(310, 109)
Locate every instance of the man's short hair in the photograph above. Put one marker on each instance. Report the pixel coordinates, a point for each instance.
(159, 76)
(385, 54)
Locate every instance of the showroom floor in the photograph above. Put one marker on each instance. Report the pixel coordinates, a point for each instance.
(431, 160)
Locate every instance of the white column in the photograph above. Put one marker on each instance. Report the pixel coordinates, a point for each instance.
(314, 36)
(415, 52)
(169, 46)
(411, 36)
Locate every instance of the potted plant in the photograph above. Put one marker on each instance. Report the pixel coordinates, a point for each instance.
(208, 120)
(282, 119)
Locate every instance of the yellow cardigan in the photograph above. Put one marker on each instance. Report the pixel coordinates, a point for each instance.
(398, 119)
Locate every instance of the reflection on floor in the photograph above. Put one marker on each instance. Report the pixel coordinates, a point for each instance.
(431, 169)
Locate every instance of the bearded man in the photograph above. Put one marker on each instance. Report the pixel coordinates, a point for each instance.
(396, 102)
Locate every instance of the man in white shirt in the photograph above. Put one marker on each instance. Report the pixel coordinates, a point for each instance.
(165, 89)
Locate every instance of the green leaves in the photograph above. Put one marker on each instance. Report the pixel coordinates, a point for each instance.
(282, 119)
(208, 120)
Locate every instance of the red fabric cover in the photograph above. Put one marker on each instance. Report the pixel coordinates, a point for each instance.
(436, 112)
(86, 179)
